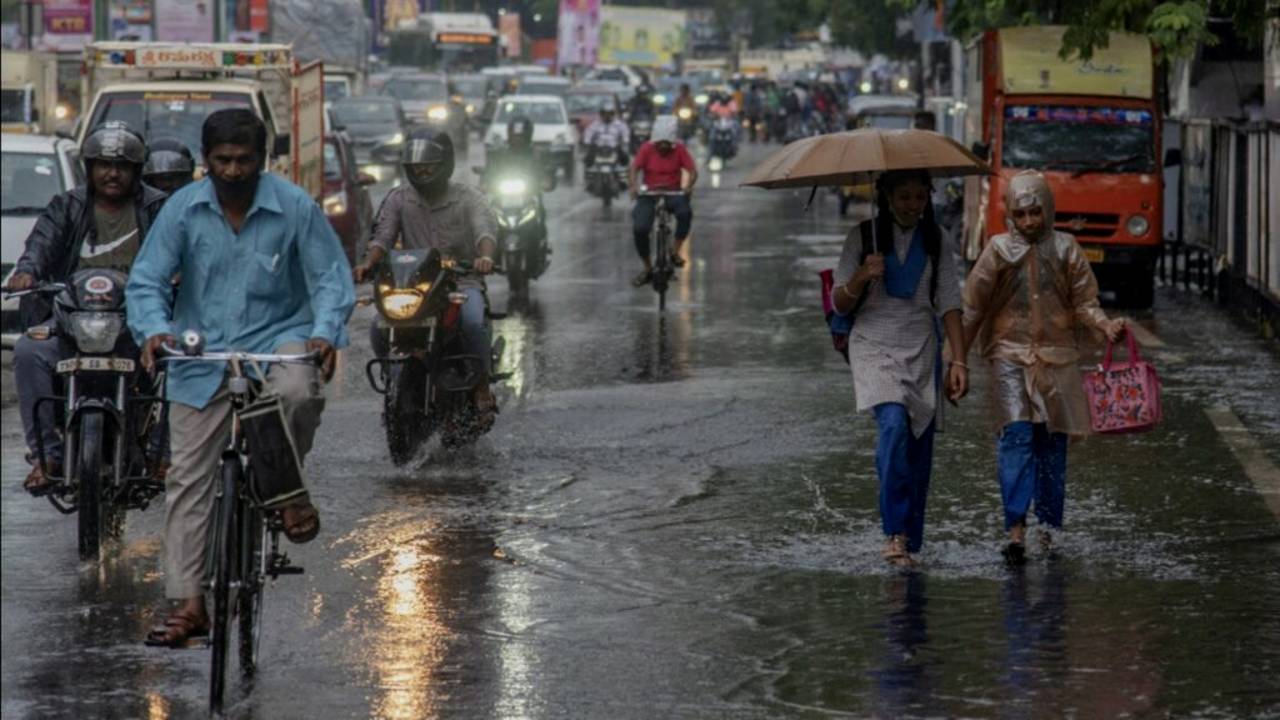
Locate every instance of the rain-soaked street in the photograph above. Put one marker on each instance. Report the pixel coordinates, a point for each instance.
(675, 517)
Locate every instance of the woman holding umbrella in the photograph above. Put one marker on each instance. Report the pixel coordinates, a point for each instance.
(894, 276)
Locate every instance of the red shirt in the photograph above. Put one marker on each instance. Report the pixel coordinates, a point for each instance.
(662, 172)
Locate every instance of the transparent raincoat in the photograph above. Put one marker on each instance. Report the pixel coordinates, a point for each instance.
(1027, 301)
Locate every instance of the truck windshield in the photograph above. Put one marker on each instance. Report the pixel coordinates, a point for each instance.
(28, 181)
(174, 114)
(1102, 139)
(11, 105)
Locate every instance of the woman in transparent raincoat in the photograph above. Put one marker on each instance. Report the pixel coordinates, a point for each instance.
(1025, 300)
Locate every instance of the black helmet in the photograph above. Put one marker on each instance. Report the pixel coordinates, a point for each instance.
(520, 128)
(168, 155)
(114, 140)
(428, 158)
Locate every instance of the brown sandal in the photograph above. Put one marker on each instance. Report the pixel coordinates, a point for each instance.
(895, 552)
(37, 483)
(177, 630)
(301, 522)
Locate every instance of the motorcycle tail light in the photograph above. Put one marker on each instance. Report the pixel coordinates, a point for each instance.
(96, 332)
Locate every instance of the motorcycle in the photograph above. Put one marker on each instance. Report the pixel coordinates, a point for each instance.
(426, 379)
(723, 139)
(522, 231)
(687, 124)
(606, 175)
(106, 420)
(641, 131)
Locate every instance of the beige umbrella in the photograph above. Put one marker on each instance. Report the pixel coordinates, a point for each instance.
(857, 156)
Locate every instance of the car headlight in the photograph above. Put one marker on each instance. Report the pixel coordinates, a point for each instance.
(401, 304)
(335, 204)
(1137, 225)
(62, 111)
(659, 99)
(96, 332)
(701, 99)
(512, 186)
(438, 112)
(397, 139)
(684, 113)
(471, 109)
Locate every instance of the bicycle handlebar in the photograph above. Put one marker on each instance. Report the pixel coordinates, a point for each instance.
(169, 352)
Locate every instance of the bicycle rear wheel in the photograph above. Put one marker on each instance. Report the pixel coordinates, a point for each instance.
(225, 540)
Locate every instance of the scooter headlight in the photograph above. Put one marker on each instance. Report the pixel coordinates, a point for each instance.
(96, 332)
(684, 113)
(512, 186)
(401, 304)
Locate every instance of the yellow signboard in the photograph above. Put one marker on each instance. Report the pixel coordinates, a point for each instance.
(1029, 63)
(641, 35)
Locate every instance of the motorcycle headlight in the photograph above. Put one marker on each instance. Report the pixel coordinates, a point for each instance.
(701, 99)
(438, 112)
(401, 304)
(1137, 225)
(335, 204)
(512, 186)
(684, 113)
(659, 99)
(471, 109)
(96, 332)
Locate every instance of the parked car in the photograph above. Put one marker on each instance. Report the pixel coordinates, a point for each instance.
(553, 136)
(33, 168)
(426, 101)
(346, 196)
(376, 127)
(584, 102)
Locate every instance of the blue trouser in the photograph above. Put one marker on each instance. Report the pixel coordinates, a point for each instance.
(1032, 464)
(34, 363)
(642, 216)
(904, 463)
(475, 330)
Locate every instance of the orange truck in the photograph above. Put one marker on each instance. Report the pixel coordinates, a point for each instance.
(1092, 127)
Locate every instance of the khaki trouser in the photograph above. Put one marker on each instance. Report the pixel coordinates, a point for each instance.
(197, 438)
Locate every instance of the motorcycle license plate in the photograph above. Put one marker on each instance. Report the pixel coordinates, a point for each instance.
(1094, 255)
(95, 364)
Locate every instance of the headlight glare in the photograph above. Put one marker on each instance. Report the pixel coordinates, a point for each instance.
(438, 112)
(401, 304)
(701, 99)
(96, 332)
(512, 186)
(397, 139)
(684, 113)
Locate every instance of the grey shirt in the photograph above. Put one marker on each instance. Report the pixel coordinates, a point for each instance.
(115, 242)
(893, 347)
(454, 224)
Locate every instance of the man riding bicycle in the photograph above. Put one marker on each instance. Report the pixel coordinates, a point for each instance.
(432, 212)
(263, 272)
(661, 161)
(100, 225)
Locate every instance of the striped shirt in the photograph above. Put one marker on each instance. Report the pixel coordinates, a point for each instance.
(893, 347)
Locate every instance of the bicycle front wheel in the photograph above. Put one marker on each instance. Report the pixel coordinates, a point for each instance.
(225, 540)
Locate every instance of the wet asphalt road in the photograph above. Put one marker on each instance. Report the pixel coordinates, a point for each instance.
(675, 517)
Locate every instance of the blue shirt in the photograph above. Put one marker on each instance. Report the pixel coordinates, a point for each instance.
(283, 278)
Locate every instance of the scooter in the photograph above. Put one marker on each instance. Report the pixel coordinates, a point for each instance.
(723, 139)
(606, 174)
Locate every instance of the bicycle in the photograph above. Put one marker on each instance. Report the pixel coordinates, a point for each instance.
(245, 543)
(663, 269)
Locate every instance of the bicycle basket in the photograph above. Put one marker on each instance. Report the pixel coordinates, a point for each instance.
(273, 455)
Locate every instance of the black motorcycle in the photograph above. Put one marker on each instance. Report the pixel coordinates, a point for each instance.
(426, 378)
(105, 417)
(606, 174)
(522, 229)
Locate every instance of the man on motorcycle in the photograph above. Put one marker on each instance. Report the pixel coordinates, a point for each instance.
(432, 212)
(606, 131)
(170, 166)
(99, 225)
(661, 161)
(263, 272)
(640, 106)
(519, 158)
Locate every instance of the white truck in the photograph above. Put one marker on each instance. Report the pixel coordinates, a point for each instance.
(29, 92)
(168, 89)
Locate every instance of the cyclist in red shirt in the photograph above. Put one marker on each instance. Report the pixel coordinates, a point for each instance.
(661, 161)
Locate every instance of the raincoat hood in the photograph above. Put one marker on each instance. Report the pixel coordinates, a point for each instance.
(1028, 189)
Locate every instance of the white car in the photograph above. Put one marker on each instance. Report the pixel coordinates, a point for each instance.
(553, 136)
(33, 169)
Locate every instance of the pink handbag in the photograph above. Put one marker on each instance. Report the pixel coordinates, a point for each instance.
(1123, 397)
